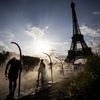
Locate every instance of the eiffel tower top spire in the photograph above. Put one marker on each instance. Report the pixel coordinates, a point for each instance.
(76, 29)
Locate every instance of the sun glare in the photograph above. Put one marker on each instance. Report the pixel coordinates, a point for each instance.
(42, 46)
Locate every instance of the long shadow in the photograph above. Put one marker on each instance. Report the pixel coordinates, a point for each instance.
(42, 94)
(10, 98)
(39, 95)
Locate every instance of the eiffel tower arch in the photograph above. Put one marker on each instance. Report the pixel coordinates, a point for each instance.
(77, 38)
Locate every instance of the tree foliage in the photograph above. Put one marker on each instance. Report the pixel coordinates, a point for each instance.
(30, 61)
(84, 86)
(4, 55)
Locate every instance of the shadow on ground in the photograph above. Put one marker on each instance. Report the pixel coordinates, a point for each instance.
(39, 95)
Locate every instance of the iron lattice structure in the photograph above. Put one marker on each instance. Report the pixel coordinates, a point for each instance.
(77, 38)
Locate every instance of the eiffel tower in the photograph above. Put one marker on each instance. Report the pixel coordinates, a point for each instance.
(77, 38)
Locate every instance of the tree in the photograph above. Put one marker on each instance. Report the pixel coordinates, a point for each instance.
(31, 62)
(4, 55)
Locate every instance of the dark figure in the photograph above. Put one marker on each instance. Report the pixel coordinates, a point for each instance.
(14, 67)
(41, 71)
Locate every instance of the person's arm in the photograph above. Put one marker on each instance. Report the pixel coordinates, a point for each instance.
(7, 66)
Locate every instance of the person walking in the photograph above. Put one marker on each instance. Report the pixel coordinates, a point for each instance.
(13, 68)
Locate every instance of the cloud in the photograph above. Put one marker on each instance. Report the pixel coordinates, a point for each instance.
(46, 27)
(96, 13)
(7, 36)
(3, 46)
(93, 36)
(35, 32)
(5, 39)
(60, 48)
(86, 30)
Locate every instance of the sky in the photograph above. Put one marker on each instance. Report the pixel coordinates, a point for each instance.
(46, 25)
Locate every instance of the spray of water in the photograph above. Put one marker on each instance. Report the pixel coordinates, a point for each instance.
(29, 79)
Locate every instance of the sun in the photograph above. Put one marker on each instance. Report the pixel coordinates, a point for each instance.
(42, 46)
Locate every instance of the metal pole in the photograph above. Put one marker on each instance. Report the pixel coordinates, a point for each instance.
(19, 84)
(61, 64)
(51, 65)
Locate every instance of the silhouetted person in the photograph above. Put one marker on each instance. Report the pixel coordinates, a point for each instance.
(41, 71)
(14, 67)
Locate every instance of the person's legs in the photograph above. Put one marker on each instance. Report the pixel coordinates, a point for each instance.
(38, 75)
(38, 79)
(42, 80)
(37, 85)
(10, 87)
(14, 86)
